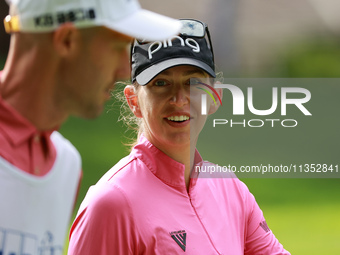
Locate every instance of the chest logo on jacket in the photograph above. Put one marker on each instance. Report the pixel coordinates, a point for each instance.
(180, 238)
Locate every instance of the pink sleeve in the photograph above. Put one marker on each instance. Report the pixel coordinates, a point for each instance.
(105, 226)
(259, 238)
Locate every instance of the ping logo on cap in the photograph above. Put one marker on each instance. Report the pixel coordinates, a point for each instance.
(189, 42)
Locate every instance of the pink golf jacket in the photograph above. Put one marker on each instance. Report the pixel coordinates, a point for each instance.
(141, 206)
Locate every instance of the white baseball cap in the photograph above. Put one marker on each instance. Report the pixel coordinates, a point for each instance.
(124, 16)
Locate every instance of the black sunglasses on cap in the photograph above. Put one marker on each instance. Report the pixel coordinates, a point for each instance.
(195, 28)
(190, 28)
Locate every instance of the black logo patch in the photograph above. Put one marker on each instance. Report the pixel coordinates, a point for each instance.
(180, 238)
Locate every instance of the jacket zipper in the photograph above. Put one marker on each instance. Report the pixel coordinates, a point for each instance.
(206, 232)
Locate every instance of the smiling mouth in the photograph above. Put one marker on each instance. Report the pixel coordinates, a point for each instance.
(178, 118)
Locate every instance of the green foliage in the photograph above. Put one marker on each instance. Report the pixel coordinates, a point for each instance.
(315, 57)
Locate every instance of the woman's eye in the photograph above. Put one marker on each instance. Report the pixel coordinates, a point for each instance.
(160, 83)
(195, 81)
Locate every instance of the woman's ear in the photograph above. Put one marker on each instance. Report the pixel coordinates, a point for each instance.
(214, 107)
(132, 100)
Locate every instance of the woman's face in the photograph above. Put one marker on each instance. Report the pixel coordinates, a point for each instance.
(171, 114)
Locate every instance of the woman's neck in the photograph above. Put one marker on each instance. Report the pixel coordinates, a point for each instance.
(184, 154)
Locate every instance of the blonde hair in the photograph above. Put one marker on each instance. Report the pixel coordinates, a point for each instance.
(133, 124)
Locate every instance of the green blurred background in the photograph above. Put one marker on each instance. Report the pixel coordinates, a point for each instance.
(252, 39)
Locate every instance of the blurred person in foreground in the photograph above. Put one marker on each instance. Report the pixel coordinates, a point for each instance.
(153, 201)
(64, 59)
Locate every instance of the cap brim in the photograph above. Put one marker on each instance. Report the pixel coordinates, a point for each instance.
(144, 24)
(148, 74)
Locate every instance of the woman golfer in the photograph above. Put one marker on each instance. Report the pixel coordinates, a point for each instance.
(152, 202)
